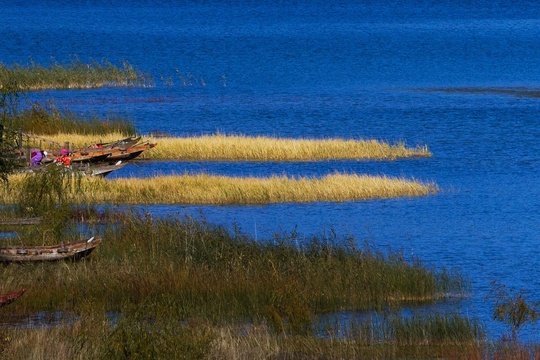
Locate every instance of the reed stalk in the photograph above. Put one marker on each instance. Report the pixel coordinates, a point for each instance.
(223, 190)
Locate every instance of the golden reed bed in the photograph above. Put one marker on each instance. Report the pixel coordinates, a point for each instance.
(244, 148)
(222, 190)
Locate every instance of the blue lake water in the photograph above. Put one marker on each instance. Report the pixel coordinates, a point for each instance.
(366, 69)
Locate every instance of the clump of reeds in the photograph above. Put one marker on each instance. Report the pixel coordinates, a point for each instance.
(74, 75)
(49, 120)
(208, 189)
(192, 268)
(261, 148)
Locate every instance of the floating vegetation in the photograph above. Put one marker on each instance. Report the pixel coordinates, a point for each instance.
(75, 75)
(223, 190)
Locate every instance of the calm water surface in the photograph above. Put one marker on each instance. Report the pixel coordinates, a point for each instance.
(353, 69)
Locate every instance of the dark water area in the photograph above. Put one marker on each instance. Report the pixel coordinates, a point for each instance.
(460, 77)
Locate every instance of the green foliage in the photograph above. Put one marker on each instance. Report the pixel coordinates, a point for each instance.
(10, 95)
(434, 329)
(47, 190)
(413, 330)
(512, 308)
(47, 194)
(209, 270)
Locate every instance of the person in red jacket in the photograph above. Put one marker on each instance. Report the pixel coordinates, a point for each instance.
(64, 158)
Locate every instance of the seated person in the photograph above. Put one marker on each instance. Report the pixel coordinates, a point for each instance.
(35, 157)
(64, 158)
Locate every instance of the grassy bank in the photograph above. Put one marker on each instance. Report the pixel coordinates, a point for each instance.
(182, 288)
(222, 190)
(246, 148)
(204, 269)
(75, 75)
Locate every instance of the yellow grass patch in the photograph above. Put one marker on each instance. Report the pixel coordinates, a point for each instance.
(222, 190)
(220, 147)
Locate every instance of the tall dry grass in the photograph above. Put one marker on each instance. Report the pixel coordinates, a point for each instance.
(221, 190)
(260, 148)
(246, 148)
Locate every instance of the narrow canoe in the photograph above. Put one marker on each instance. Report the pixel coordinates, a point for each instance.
(85, 169)
(71, 251)
(123, 143)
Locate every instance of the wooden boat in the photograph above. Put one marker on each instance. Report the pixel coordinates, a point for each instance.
(90, 155)
(122, 143)
(129, 153)
(6, 299)
(98, 169)
(110, 154)
(69, 251)
(85, 169)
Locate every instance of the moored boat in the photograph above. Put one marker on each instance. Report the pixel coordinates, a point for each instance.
(97, 169)
(130, 153)
(121, 150)
(90, 155)
(85, 169)
(68, 251)
(122, 143)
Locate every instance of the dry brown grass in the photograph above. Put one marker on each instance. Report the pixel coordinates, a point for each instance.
(239, 148)
(208, 189)
(245, 148)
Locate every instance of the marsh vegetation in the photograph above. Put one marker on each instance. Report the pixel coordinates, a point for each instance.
(207, 291)
(220, 147)
(75, 75)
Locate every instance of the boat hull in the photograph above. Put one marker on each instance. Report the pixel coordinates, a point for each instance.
(71, 251)
(6, 299)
